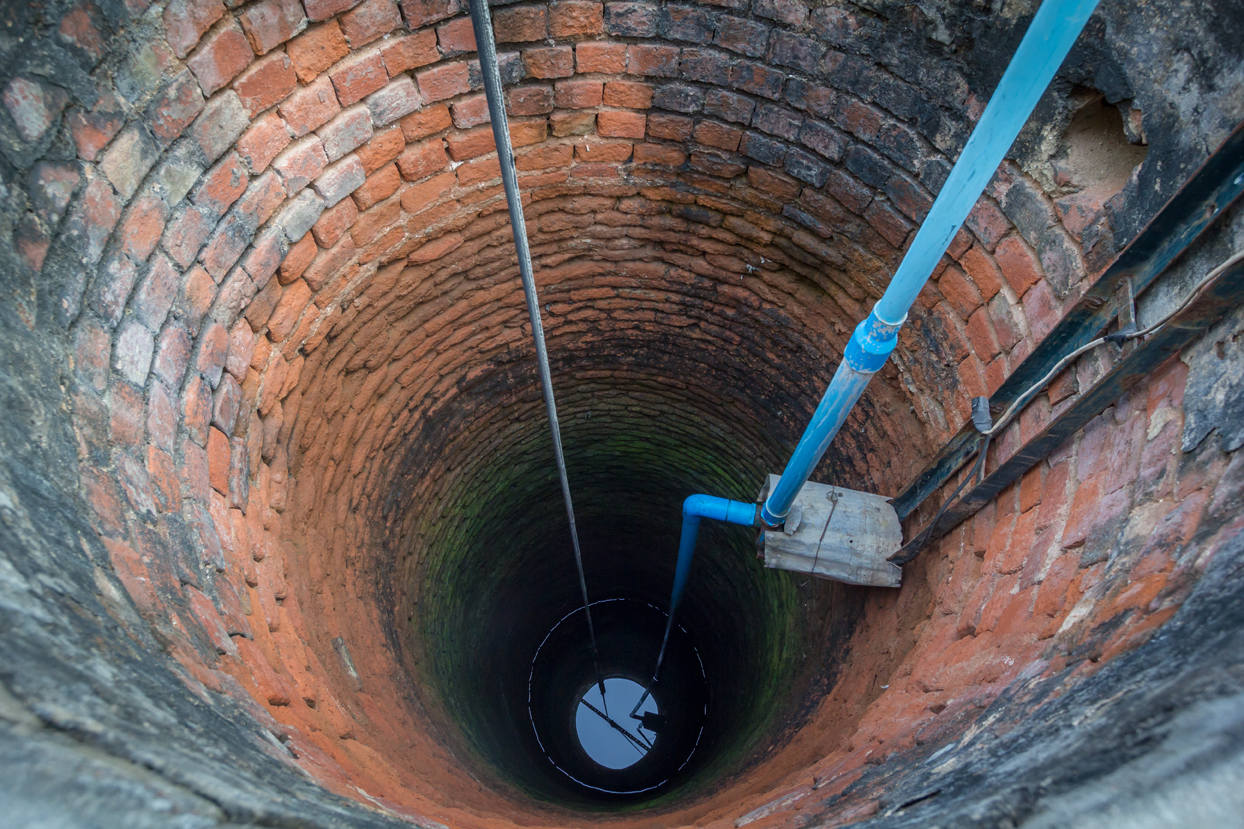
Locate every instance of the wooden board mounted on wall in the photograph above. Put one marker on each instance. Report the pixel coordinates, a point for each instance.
(836, 533)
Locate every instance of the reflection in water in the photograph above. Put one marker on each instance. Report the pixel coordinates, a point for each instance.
(620, 741)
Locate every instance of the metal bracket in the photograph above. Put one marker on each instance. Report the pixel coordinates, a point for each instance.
(1125, 311)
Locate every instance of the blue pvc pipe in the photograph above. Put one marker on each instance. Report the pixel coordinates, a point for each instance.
(693, 509)
(1049, 38)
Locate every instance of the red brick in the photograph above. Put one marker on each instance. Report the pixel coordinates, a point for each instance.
(227, 402)
(79, 29)
(572, 123)
(359, 77)
(659, 154)
(334, 222)
(712, 134)
(775, 184)
(371, 225)
(533, 99)
(197, 409)
(310, 107)
(185, 235)
(268, 82)
(198, 291)
(443, 82)
(576, 17)
(420, 13)
(465, 145)
(270, 23)
(175, 108)
(143, 224)
(609, 58)
(293, 302)
(221, 58)
(384, 146)
(185, 21)
(542, 158)
(418, 197)
(981, 334)
(621, 124)
(478, 170)
(551, 62)
(378, 186)
(319, 10)
(300, 255)
(437, 248)
(302, 163)
(471, 111)
(93, 130)
(660, 61)
(981, 267)
(669, 127)
(1041, 309)
(521, 24)
(32, 242)
(888, 222)
(317, 49)
(603, 152)
(456, 37)
(370, 20)
(265, 256)
(125, 423)
(263, 196)
(262, 141)
(630, 94)
(988, 222)
(213, 346)
(1019, 264)
(577, 94)
(218, 460)
(422, 160)
(349, 130)
(959, 292)
(162, 417)
(410, 51)
(1092, 508)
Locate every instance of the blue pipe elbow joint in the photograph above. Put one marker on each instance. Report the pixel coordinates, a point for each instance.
(693, 509)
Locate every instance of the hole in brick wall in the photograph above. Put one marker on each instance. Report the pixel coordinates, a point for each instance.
(1101, 147)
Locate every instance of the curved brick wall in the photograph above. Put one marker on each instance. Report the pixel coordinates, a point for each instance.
(260, 253)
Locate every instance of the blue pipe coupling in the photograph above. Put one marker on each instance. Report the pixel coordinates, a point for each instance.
(872, 343)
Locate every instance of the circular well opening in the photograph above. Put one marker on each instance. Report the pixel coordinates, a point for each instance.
(612, 737)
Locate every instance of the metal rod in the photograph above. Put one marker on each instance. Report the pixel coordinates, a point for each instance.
(481, 22)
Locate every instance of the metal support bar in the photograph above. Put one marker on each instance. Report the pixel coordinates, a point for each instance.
(481, 22)
(1218, 297)
(1197, 204)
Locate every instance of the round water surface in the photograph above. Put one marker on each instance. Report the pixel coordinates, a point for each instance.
(604, 743)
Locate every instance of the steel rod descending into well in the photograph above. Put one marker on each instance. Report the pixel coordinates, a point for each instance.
(481, 22)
